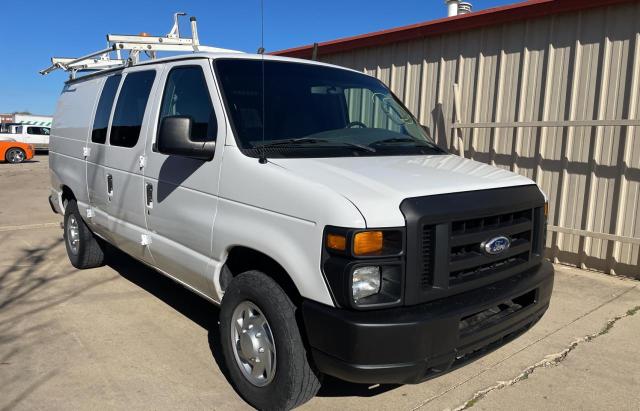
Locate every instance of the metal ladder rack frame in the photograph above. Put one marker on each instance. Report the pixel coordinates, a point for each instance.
(134, 44)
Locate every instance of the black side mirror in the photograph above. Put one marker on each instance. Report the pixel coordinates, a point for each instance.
(175, 139)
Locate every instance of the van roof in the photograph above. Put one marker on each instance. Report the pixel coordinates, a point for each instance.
(212, 56)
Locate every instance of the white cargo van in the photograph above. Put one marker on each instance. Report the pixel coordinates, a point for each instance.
(37, 136)
(309, 203)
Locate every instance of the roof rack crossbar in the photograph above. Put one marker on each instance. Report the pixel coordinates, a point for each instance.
(134, 44)
(67, 63)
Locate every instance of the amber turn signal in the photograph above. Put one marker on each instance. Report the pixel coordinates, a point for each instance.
(367, 242)
(336, 242)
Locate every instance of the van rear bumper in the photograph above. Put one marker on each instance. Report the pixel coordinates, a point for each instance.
(411, 344)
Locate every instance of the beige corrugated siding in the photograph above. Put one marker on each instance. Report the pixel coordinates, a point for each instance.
(581, 66)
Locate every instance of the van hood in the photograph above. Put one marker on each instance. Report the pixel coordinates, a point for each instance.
(377, 185)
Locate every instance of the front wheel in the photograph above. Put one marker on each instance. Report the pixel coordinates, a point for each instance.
(262, 345)
(15, 155)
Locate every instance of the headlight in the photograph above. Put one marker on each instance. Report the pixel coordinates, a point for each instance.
(364, 268)
(365, 282)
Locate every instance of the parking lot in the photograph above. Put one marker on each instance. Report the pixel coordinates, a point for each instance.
(125, 337)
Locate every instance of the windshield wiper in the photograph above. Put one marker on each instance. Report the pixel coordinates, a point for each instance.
(311, 140)
(419, 143)
(288, 141)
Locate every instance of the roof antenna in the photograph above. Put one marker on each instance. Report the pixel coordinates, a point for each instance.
(261, 48)
(263, 154)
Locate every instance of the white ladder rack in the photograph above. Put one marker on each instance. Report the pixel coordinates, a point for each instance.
(134, 45)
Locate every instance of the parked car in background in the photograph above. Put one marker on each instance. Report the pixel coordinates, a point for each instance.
(37, 136)
(13, 151)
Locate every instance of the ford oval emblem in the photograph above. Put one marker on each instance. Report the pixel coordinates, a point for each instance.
(496, 245)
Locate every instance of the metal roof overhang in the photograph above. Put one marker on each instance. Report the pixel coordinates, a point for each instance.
(498, 15)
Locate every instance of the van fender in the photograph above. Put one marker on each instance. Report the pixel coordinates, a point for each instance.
(294, 243)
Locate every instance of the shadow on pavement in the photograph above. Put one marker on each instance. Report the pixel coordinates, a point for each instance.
(333, 387)
(30, 283)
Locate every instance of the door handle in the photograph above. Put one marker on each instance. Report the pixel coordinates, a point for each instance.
(109, 185)
(149, 194)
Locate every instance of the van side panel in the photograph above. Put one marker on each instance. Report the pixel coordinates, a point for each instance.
(73, 118)
(125, 206)
(180, 219)
(96, 176)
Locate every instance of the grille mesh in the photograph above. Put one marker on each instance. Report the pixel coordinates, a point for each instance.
(427, 244)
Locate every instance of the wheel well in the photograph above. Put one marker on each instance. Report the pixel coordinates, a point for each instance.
(67, 195)
(242, 259)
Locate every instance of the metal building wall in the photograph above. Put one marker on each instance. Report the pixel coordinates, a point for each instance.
(562, 68)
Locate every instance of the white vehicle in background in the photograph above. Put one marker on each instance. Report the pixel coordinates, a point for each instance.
(37, 136)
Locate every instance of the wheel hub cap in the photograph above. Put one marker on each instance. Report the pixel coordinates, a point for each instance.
(73, 234)
(252, 342)
(16, 156)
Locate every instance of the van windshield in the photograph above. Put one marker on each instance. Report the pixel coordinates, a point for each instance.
(306, 110)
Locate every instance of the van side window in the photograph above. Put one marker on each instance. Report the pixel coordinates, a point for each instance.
(101, 121)
(132, 101)
(186, 94)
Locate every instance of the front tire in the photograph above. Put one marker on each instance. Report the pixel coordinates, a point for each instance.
(15, 155)
(83, 248)
(262, 345)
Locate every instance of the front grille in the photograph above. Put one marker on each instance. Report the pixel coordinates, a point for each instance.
(468, 261)
(445, 234)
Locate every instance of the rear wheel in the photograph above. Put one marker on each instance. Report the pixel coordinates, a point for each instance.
(262, 345)
(15, 155)
(83, 248)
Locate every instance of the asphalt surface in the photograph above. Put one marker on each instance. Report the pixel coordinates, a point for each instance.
(124, 337)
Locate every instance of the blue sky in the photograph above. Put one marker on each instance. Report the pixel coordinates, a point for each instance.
(33, 31)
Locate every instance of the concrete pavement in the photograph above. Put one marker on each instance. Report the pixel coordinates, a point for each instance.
(125, 337)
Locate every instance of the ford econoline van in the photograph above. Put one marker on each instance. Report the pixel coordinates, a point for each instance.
(310, 204)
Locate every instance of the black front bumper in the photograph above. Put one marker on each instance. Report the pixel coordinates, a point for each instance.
(410, 344)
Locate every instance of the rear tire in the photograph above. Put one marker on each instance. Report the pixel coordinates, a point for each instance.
(15, 155)
(84, 249)
(293, 381)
